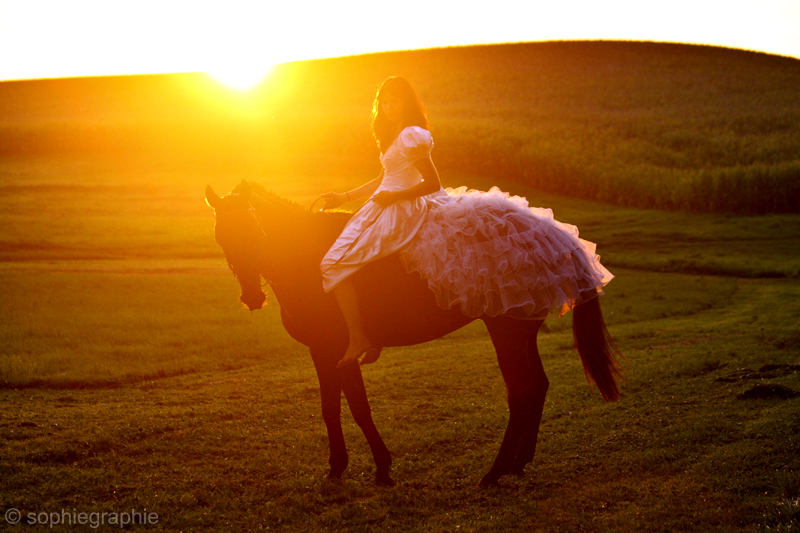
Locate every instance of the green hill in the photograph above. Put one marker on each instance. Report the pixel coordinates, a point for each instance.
(646, 124)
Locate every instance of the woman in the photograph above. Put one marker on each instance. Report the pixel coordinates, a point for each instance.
(487, 252)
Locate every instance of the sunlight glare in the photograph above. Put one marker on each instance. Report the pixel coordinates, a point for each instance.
(240, 77)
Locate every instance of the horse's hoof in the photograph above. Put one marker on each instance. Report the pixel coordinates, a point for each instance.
(384, 480)
(489, 480)
(335, 475)
(518, 471)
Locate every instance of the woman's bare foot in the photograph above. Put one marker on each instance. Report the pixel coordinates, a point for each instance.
(371, 356)
(354, 351)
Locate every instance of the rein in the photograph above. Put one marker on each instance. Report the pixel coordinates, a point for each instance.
(311, 209)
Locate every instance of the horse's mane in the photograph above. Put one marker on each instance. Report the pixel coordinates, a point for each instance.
(334, 217)
(261, 191)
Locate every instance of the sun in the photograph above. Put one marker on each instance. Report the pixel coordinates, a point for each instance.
(240, 77)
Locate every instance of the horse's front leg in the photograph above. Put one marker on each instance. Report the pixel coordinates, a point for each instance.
(356, 394)
(330, 388)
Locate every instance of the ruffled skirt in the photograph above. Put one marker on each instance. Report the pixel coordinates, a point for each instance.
(492, 254)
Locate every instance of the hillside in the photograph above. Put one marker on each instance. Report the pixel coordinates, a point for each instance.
(132, 378)
(646, 124)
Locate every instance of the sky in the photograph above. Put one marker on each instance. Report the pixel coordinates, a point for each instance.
(243, 38)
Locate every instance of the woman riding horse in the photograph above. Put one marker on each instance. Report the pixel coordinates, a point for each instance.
(486, 252)
(462, 255)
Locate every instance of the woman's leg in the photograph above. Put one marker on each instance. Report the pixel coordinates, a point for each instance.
(346, 297)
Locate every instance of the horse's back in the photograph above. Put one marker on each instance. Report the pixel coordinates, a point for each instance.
(398, 308)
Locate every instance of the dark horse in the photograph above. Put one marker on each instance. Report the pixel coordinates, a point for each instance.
(265, 236)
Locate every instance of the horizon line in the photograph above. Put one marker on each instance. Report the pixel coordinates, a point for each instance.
(401, 50)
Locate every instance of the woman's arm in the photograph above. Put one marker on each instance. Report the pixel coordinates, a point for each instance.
(335, 199)
(366, 190)
(430, 183)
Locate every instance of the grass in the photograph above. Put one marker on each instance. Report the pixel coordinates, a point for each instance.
(79, 324)
(245, 449)
(133, 379)
(100, 208)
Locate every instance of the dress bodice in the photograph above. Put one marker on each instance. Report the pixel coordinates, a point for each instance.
(375, 231)
(399, 172)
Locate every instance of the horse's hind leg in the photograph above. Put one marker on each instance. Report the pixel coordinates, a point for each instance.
(530, 434)
(511, 339)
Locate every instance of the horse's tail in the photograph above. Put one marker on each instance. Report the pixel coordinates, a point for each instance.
(597, 349)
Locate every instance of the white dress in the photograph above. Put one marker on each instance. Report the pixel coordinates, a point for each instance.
(375, 231)
(487, 252)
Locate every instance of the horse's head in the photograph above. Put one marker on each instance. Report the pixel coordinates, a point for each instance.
(241, 237)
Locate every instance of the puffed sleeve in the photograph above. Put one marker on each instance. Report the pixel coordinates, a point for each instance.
(415, 143)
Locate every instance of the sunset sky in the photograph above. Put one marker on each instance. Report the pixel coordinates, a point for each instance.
(65, 38)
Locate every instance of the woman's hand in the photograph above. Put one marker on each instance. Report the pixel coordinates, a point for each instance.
(385, 198)
(332, 200)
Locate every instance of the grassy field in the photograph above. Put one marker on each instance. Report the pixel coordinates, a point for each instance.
(131, 378)
(245, 448)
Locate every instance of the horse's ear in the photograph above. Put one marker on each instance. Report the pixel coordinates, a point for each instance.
(245, 190)
(211, 198)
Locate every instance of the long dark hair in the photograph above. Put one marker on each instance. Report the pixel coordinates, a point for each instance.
(414, 113)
